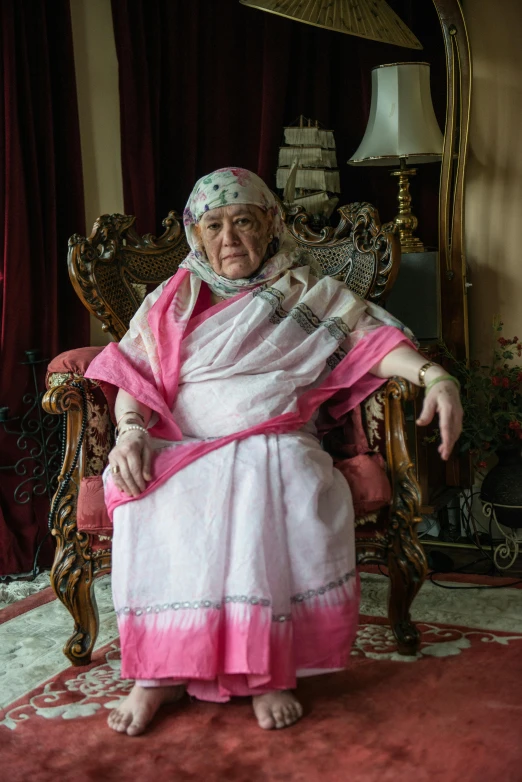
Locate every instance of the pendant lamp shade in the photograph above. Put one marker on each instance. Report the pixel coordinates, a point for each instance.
(373, 19)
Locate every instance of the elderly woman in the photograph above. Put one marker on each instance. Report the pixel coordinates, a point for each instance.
(233, 551)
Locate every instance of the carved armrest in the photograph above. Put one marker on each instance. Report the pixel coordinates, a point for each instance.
(406, 490)
(88, 438)
(70, 400)
(88, 430)
(406, 560)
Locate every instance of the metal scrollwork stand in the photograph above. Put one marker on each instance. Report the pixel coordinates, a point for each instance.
(40, 438)
(506, 553)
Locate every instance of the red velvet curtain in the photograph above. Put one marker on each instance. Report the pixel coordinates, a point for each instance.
(209, 84)
(42, 202)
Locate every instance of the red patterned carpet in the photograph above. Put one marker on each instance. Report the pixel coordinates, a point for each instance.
(453, 715)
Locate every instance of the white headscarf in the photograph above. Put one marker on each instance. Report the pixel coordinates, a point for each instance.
(225, 187)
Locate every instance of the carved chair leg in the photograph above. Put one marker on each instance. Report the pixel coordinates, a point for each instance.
(407, 568)
(72, 580)
(72, 574)
(406, 559)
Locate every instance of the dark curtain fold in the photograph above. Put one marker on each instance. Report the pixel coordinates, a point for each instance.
(42, 202)
(210, 84)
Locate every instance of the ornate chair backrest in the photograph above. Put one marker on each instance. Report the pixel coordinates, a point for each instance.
(358, 251)
(114, 268)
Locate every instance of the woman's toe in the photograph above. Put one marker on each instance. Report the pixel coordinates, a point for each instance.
(265, 718)
(136, 727)
(119, 721)
(279, 717)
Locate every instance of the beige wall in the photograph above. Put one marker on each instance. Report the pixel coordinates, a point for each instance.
(494, 175)
(97, 83)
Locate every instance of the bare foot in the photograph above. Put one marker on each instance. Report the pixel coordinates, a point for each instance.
(140, 706)
(277, 709)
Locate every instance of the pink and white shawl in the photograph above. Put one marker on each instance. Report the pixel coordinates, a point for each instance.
(297, 343)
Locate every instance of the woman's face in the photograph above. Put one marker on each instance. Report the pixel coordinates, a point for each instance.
(235, 239)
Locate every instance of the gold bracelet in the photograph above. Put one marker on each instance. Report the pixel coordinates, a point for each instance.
(422, 371)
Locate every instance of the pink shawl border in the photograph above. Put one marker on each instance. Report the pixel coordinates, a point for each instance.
(351, 376)
(112, 366)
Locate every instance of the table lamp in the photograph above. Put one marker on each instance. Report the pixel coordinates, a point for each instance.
(402, 129)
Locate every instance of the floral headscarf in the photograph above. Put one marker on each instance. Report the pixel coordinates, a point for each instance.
(225, 187)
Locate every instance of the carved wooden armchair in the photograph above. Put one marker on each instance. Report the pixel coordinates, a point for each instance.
(112, 271)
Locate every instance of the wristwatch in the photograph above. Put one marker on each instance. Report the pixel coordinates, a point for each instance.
(422, 372)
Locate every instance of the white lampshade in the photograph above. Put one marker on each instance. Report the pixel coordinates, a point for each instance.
(402, 121)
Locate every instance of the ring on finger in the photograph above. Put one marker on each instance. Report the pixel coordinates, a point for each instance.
(115, 470)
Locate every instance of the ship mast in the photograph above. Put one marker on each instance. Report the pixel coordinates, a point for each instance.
(307, 171)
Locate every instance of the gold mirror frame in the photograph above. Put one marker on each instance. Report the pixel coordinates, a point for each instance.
(452, 257)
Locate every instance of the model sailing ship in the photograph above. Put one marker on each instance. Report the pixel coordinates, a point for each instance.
(307, 171)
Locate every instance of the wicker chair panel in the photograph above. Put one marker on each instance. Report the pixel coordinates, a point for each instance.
(335, 260)
(148, 267)
(362, 274)
(358, 251)
(118, 297)
(344, 263)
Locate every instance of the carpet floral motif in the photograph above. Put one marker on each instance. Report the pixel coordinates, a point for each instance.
(376, 641)
(79, 696)
(100, 687)
(31, 644)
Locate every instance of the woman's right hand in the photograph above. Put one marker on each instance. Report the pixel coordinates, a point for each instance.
(130, 462)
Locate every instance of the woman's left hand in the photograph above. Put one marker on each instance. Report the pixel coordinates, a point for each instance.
(443, 398)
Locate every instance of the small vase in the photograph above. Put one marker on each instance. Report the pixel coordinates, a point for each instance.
(502, 487)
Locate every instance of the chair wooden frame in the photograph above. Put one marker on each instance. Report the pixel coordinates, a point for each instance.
(111, 271)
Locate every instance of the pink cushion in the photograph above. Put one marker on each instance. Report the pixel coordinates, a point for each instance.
(365, 470)
(91, 513)
(369, 484)
(75, 362)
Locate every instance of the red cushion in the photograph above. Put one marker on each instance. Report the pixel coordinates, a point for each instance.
(75, 362)
(369, 484)
(91, 513)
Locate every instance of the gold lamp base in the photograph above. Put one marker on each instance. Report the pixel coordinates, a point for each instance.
(405, 221)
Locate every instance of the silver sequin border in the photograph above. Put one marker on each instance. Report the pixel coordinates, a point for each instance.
(188, 605)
